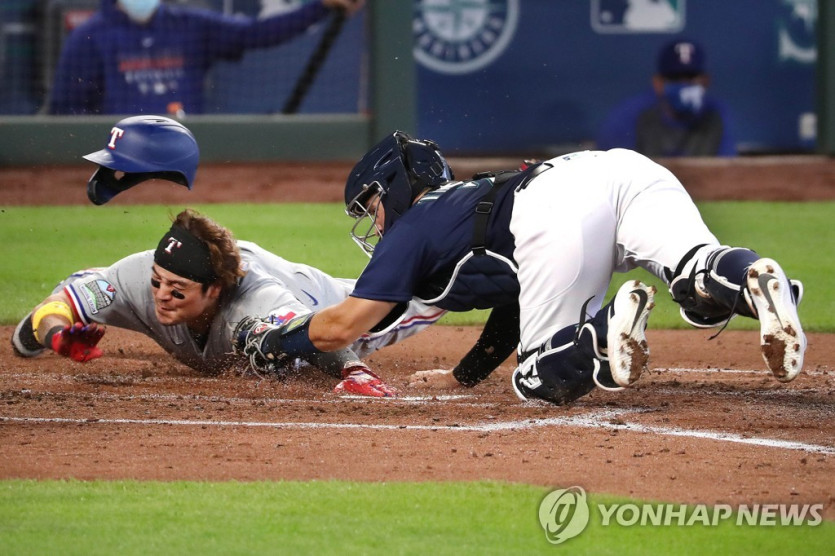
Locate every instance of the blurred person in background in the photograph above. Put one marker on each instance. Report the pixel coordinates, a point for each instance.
(678, 117)
(146, 57)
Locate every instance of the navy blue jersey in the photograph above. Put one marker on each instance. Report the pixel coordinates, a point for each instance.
(418, 256)
(112, 65)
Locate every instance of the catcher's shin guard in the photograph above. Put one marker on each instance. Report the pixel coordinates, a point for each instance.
(710, 285)
(579, 357)
(561, 370)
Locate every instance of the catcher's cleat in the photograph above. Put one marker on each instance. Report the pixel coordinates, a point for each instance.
(24, 343)
(782, 339)
(627, 349)
(361, 381)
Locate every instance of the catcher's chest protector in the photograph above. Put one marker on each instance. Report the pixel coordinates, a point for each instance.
(477, 282)
(482, 278)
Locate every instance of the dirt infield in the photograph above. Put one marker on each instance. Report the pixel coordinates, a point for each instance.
(708, 424)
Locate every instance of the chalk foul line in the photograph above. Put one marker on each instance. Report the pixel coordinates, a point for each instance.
(606, 419)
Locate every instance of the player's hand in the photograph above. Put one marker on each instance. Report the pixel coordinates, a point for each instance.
(358, 379)
(350, 6)
(78, 341)
(435, 379)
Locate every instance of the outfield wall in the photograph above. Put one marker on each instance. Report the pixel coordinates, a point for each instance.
(492, 111)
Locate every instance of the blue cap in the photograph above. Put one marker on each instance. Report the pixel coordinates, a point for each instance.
(681, 58)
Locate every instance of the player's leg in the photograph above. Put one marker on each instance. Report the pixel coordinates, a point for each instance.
(564, 229)
(712, 285)
(609, 350)
(661, 230)
(564, 225)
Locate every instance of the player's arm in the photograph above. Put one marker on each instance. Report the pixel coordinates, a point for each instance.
(340, 325)
(350, 6)
(497, 342)
(321, 339)
(332, 329)
(55, 325)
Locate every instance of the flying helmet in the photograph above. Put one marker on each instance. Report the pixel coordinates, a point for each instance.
(392, 174)
(142, 148)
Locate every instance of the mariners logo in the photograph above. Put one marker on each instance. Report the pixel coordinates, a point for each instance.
(462, 36)
(796, 31)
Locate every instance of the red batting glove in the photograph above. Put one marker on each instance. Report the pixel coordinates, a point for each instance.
(78, 341)
(358, 379)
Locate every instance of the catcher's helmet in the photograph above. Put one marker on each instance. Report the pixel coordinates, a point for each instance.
(398, 169)
(143, 148)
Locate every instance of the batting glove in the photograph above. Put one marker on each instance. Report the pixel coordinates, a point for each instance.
(358, 379)
(78, 341)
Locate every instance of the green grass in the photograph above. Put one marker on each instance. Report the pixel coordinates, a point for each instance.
(127, 517)
(42, 245)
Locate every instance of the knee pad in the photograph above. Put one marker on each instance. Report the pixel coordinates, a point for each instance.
(710, 285)
(567, 366)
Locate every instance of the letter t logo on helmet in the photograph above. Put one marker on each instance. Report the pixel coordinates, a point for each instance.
(115, 133)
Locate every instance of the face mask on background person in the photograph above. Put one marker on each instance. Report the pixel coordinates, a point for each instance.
(139, 10)
(686, 99)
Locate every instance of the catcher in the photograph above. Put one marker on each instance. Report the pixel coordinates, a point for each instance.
(539, 248)
(190, 292)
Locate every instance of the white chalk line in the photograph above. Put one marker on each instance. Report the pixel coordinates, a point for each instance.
(765, 373)
(605, 419)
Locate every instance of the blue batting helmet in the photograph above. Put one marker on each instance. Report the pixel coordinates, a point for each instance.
(143, 148)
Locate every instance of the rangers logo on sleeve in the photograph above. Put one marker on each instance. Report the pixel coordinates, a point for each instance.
(281, 316)
(98, 293)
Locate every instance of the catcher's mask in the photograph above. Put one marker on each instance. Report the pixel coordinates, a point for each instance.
(392, 175)
(141, 148)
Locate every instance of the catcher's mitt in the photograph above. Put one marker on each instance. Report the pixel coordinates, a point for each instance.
(248, 338)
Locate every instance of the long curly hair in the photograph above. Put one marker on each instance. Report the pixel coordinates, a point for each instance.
(224, 252)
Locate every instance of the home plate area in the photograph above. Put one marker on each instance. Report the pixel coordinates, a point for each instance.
(704, 426)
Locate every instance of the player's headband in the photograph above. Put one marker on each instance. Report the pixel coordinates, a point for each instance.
(180, 252)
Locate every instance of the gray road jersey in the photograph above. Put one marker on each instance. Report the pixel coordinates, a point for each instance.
(120, 295)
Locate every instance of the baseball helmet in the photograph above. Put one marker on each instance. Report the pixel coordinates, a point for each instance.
(398, 169)
(143, 148)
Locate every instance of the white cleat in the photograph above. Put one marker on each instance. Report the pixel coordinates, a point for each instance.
(626, 340)
(782, 339)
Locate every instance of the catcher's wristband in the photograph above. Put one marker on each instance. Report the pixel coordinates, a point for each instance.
(57, 308)
(292, 339)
